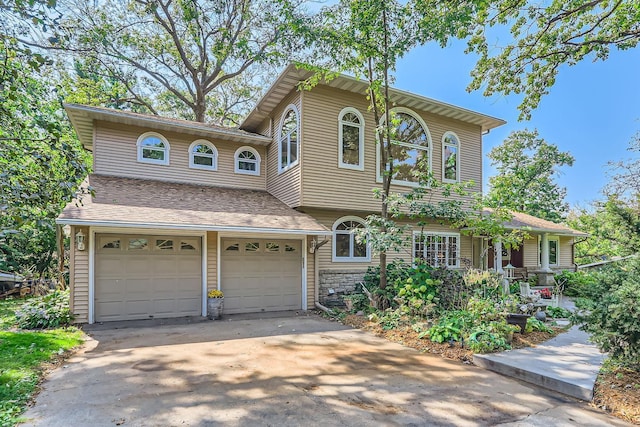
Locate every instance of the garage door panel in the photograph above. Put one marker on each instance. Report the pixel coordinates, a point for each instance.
(140, 284)
(261, 275)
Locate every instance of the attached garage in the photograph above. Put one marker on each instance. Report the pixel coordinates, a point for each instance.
(261, 275)
(146, 276)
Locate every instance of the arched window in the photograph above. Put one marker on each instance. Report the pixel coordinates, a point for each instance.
(450, 157)
(410, 147)
(350, 139)
(346, 247)
(247, 161)
(203, 155)
(288, 139)
(153, 148)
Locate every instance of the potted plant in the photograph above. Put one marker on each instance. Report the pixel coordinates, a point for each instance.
(215, 304)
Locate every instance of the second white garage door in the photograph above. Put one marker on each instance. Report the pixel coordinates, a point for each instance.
(261, 275)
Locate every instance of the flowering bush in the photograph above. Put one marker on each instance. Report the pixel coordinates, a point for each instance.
(215, 293)
(49, 311)
(545, 293)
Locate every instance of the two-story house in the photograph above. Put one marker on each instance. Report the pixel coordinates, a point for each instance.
(264, 212)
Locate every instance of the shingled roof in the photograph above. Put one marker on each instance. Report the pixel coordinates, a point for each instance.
(525, 221)
(127, 202)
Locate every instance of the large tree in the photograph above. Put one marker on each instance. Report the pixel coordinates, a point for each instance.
(527, 168)
(543, 37)
(194, 59)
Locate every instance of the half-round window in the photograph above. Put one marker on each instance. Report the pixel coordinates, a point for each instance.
(288, 139)
(247, 161)
(350, 139)
(203, 155)
(346, 245)
(450, 157)
(410, 147)
(153, 148)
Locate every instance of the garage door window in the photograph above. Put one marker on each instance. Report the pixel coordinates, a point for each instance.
(138, 244)
(235, 247)
(188, 245)
(272, 247)
(109, 243)
(164, 245)
(251, 247)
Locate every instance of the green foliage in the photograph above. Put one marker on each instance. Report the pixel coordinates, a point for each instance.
(49, 311)
(391, 318)
(558, 312)
(491, 337)
(527, 168)
(575, 282)
(453, 293)
(397, 271)
(610, 311)
(359, 300)
(534, 324)
(454, 325)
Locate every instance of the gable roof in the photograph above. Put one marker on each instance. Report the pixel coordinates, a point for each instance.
(83, 117)
(525, 221)
(141, 203)
(292, 76)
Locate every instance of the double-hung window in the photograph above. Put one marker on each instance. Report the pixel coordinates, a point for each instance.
(437, 249)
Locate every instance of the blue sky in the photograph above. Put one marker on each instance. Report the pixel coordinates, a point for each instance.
(592, 111)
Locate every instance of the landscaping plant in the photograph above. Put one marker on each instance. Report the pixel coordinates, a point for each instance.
(49, 311)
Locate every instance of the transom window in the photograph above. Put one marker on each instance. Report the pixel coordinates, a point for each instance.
(247, 161)
(450, 157)
(410, 148)
(346, 247)
(288, 140)
(351, 139)
(153, 148)
(437, 249)
(203, 155)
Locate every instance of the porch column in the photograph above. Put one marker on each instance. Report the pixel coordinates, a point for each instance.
(544, 263)
(497, 245)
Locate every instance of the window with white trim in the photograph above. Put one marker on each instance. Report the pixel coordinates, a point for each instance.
(410, 148)
(450, 157)
(153, 148)
(247, 161)
(203, 155)
(346, 247)
(437, 249)
(350, 139)
(288, 139)
(554, 250)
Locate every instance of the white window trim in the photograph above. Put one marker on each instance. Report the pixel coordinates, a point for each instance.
(237, 161)
(445, 144)
(281, 168)
(549, 239)
(334, 258)
(214, 163)
(429, 148)
(140, 147)
(341, 164)
(436, 233)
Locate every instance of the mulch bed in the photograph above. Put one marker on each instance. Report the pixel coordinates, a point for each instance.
(618, 391)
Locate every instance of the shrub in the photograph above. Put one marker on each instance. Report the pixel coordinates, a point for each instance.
(360, 301)
(558, 312)
(397, 270)
(491, 337)
(453, 326)
(610, 311)
(576, 283)
(49, 311)
(534, 324)
(453, 293)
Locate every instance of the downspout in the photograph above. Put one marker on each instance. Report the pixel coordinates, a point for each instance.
(573, 252)
(316, 278)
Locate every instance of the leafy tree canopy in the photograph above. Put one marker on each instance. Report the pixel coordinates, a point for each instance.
(545, 36)
(527, 167)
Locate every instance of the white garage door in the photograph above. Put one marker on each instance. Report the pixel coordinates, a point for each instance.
(261, 275)
(142, 277)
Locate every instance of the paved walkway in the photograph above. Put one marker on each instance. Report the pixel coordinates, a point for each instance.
(568, 363)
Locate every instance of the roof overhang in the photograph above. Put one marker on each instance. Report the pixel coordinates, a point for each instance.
(83, 119)
(555, 232)
(290, 78)
(189, 227)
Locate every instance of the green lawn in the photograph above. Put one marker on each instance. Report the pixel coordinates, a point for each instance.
(22, 354)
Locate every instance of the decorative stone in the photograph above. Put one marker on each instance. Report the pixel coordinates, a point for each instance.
(541, 316)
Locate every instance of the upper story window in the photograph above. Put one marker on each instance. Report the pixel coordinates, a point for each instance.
(410, 147)
(247, 161)
(203, 155)
(346, 247)
(288, 139)
(450, 157)
(351, 139)
(437, 249)
(153, 148)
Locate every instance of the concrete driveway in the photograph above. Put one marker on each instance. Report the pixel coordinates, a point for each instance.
(300, 370)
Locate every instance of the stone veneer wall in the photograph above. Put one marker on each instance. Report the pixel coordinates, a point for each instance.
(336, 283)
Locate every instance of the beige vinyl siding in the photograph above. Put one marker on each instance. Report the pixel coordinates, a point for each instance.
(565, 252)
(79, 278)
(325, 184)
(212, 260)
(285, 186)
(328, 218)
(116, 154)
(530, 256)
(265, 128)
